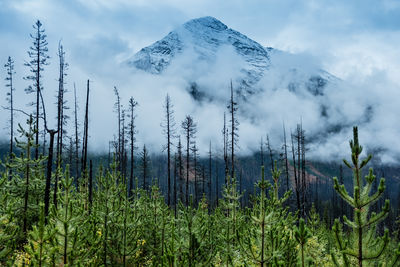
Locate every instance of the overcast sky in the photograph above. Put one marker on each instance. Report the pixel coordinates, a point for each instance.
(357, 41)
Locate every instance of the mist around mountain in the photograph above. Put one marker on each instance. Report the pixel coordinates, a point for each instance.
(273, 88)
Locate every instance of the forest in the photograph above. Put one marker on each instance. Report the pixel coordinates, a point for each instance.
(63, 205)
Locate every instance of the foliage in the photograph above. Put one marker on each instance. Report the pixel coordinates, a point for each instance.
(138, 228)
(363, 243)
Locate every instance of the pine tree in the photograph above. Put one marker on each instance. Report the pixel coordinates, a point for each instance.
(132, 138)
(170, 132)
(270, 151)
(61, 102)
(367, 246)
(189, 130)
(225, 135)
(296, 177)
(144, 157)
(85, 132)
(76, 141)
(10, 99)
(195, 158)
(209, 175)
(302, 234)
(39, 241)
(232, 107)
(117, 106)
(266, 239)
(285, 146)
(26, 188)
(61, 117)
(180, 168)
(38, 55)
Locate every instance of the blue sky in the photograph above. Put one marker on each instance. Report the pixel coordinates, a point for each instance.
(354, 40)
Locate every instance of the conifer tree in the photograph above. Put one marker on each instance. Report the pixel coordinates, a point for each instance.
(144, 156)
(64, 216)
(231, 220)
(286, 158)
(269, 147)
(132, 138)
(39, 241)
(267, 239)
(61, 102)
(38, 59)
(117, 106)
(76, 141)
(195, 158)
(225, 135)
(175, 182)
(302, 233)
(10, 99)
(169, 131)
(28, 186)
(232, 107)
(209, 175)
(189, 130)
(367, 246)
(180, 168)
(296, 177)
(85, 132)
(261, 152)
(61, 117)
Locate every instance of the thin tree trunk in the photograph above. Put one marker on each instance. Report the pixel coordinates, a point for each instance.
(85, 137)
(48, 176)
(209, 175)
(286, 160)
(295, 175)
(187, 166)
(76, 139)
(233, 140)
(175, 171)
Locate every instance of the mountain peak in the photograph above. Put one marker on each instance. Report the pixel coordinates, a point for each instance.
(207, 21)
(206, 37)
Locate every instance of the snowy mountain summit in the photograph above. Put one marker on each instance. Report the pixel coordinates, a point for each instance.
(213, 49)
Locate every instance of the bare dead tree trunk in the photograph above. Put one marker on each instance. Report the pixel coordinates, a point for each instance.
(180, 167)
(189, 129)
(295, 175)
(170, 132)
(49, 164)
(303, 169)
(76, 139)
(261, 152)
(209, 175)
(118, 110)
(271, 158)
(286, 159)
(216, 184)
(175, 173)
(225, 136)
(234, 135)
(85, 132)
(132, 132)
